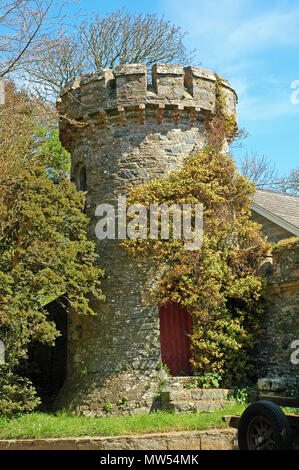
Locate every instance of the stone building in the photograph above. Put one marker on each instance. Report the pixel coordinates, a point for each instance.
(122, 131)
(131, 132)
(278, 213)
(277, 355)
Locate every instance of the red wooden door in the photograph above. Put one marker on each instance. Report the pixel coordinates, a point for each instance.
(175, 325)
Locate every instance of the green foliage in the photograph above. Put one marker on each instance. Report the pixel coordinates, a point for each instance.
(209, 380)
(243, 395)
(44, 252)
(219, 283)
(193, 384)
(17, 393)
(107, 407)
(161, 386)
(292, 242)
(122, 401)
(163, 366)
(84, 372)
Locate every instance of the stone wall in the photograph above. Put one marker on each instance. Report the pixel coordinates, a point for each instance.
(213, 439)
(281, 322)
(274, 232)
(125, 132)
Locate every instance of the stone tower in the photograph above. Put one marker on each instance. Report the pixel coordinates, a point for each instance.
(121, 132)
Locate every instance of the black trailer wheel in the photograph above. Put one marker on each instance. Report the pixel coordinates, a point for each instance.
(264, 426)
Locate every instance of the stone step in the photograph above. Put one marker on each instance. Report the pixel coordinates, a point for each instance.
(179, 382)
(186, 394)
(181, 396)
(194, 406)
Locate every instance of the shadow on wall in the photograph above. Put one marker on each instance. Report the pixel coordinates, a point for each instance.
(47, 364)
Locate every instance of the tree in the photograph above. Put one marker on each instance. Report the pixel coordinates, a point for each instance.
(219, 283)
(44, 250)
(263, 172)
(290, 182)
(54, 67)
(124, 38)
(118, 38)
(51, 154)
(26, 31)
(37, 131)
(259, 169)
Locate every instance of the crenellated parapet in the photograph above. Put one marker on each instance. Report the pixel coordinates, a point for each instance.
(112, 97)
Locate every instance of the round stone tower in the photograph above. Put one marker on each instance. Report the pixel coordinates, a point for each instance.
(122, 132)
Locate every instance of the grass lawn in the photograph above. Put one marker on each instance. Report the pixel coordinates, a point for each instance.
(44, 425)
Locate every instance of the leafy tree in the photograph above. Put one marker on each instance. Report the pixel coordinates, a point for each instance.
(51, 154)
(44, 250)
(36, 130)
(219, 283)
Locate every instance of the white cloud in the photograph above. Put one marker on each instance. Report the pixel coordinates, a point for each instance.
(266, 30)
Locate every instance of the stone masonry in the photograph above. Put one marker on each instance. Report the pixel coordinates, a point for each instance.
(281, 323)
(121, 132)
(274, 232)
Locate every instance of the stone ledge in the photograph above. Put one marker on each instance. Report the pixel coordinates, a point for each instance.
(213, 439)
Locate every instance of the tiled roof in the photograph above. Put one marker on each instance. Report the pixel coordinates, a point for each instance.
(282, 205)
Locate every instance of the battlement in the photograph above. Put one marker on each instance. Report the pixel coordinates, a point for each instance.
(173, 86)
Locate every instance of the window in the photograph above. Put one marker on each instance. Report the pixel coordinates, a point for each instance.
(81, 178)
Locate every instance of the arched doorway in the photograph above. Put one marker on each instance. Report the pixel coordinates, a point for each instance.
(175, 328)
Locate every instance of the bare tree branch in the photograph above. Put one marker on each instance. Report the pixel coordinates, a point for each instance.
(259, 169)
(121, 38)
(264, 174)
(27, 27)
(30, 40)
(56, 65)
(290, 182)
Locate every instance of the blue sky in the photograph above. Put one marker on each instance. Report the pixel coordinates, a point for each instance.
(255, 45)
